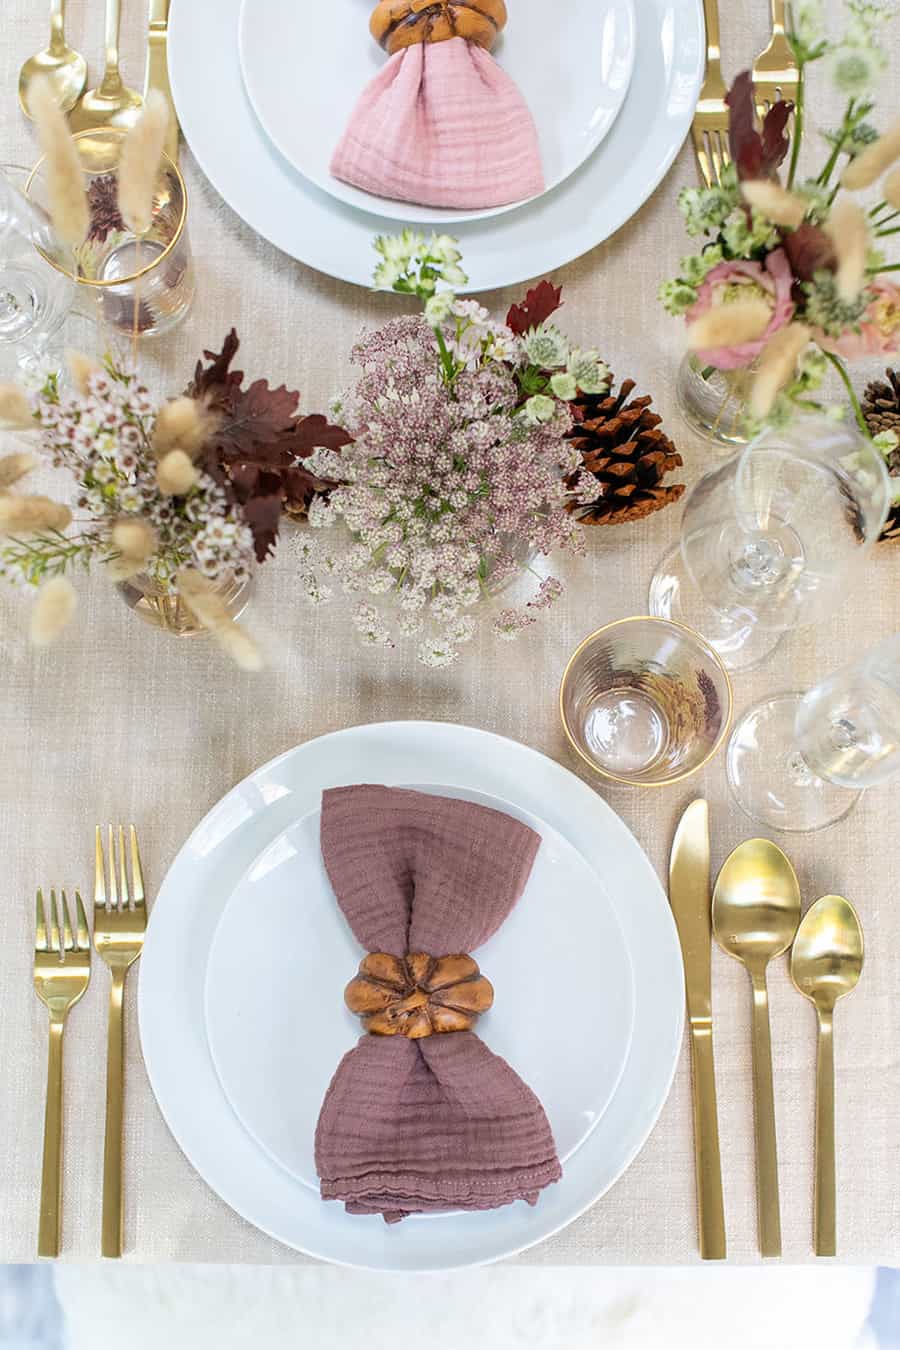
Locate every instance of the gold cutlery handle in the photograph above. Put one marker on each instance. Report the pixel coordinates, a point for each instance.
(779, 22)
(51, 1172)
(768, 1207)
(113, 1195)
(57, 31)
(825, 1209)
(713, 45)
(708, 1163)
(112, 80)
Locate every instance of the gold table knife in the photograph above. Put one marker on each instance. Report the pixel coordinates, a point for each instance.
(157, 71)
(690, 899)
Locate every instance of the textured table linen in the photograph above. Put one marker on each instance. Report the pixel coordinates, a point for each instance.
(119, 722)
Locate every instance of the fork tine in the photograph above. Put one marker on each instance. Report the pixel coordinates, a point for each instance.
(137, 874)
(99, 881)
(716, 155)
(68, 940)
(111, 862)
(703, 161)
(82, 936)
(124, 897)
(40, 927)
(54, 924)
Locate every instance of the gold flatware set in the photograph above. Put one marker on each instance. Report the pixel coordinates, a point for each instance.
(62, 972)
(755, 916)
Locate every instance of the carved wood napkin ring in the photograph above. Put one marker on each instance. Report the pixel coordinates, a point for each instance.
(418, 994)
(396, 24)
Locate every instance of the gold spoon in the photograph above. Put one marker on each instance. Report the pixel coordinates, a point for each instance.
(755, 913)
(64, 69)
(826, 963)
(112, 103)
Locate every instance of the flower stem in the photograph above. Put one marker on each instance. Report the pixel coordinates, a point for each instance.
(886, 267)
(446, 359)
(797, 138)
(851, 393)
(838, 146)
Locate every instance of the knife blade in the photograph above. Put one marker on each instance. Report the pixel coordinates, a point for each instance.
(689, 895)
(156, 74)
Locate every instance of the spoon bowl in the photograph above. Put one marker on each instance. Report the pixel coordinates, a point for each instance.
(827, 956)
(756, 903)
(65, 71)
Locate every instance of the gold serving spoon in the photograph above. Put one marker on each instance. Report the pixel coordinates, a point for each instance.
(112, 103)
(63, 68)
(755, 913)
(826, 963)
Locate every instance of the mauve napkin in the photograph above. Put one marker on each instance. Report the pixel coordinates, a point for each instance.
(441, 1123)
(442, 125)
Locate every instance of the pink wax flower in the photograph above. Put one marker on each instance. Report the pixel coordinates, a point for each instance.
(772, 282)
(879, 328)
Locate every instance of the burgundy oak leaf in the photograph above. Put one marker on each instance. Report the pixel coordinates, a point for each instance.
(540, 302)
(809, 250)
(263, 514)
(315, 432)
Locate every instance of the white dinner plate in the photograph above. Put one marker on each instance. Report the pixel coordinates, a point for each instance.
(572, 67)
(188, 908)
(279, 203)
(260, 991)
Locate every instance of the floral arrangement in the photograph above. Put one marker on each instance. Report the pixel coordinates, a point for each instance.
(790, 277)
(460, 469)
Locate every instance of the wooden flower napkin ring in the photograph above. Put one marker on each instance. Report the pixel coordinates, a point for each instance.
(396, 24)
(417, 995)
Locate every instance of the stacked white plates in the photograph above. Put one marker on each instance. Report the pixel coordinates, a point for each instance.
(264, 89)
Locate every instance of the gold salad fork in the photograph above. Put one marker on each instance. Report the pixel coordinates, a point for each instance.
(775, 73)
(62, 970)
(710, 125)
(120, 918)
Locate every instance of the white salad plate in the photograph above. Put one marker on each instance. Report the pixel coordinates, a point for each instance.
(305, 66)
(277, 806)
(283, 952)
(255, 179)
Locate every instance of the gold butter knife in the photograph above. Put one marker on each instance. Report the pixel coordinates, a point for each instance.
(157, 71)
(690, 900)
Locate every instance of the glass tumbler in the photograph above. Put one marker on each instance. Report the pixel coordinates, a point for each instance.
(645, 701)
(144, 284)
(35, 298)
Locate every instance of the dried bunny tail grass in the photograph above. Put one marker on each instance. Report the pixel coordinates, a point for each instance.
(139, 163)
(871, 163)
(209, 609)
(730, 324)
(28, 514)
(53, 611)
(81, 368)
(15, 410)
(891, 188)
(776, 366)
(15, 466)
(775, 202)
(849, 230)
(65, 176)
(135, 542)
(175, 474)
(182, 424)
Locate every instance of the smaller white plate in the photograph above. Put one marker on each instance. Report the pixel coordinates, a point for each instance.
(304, 66)
(282, 954)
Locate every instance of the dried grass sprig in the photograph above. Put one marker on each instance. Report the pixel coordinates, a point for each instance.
(81, 368)
(65, 177)
(140, 162)
(15, 410)
(777, 364)
(53, 610)
(25, 515)
(871, 163)
(729, 324)
(15, 466)
(182, 424)
(135, 541)
(209, 609)
(775, 202)
(849, 231)
(175, 474)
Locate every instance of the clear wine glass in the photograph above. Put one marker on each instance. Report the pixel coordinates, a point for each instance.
(772, 537)
(799, 762)
(35, 298)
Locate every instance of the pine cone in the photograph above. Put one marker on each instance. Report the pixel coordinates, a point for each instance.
(103, 202)
(623, 446)
(881, 409)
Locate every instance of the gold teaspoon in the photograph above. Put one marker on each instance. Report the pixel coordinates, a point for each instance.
(112, 103)
(826, 963)
(63, 68)
(755, 913)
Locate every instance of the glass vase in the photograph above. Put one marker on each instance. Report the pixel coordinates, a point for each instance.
(714, 402)
(158, 603)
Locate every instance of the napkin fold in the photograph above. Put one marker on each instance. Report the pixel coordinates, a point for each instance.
(442, 125)
(412, 1126)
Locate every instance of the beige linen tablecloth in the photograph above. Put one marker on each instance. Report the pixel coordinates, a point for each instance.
(120, 722)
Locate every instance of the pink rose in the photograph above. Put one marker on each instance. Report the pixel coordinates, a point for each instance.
(774, 282)
(879, 331)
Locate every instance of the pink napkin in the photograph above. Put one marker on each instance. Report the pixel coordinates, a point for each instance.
(442, 125)
(409, 1126)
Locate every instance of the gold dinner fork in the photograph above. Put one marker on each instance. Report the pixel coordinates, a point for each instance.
(710, 125)
(775, 72)
(120, 918)
(62, 970)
